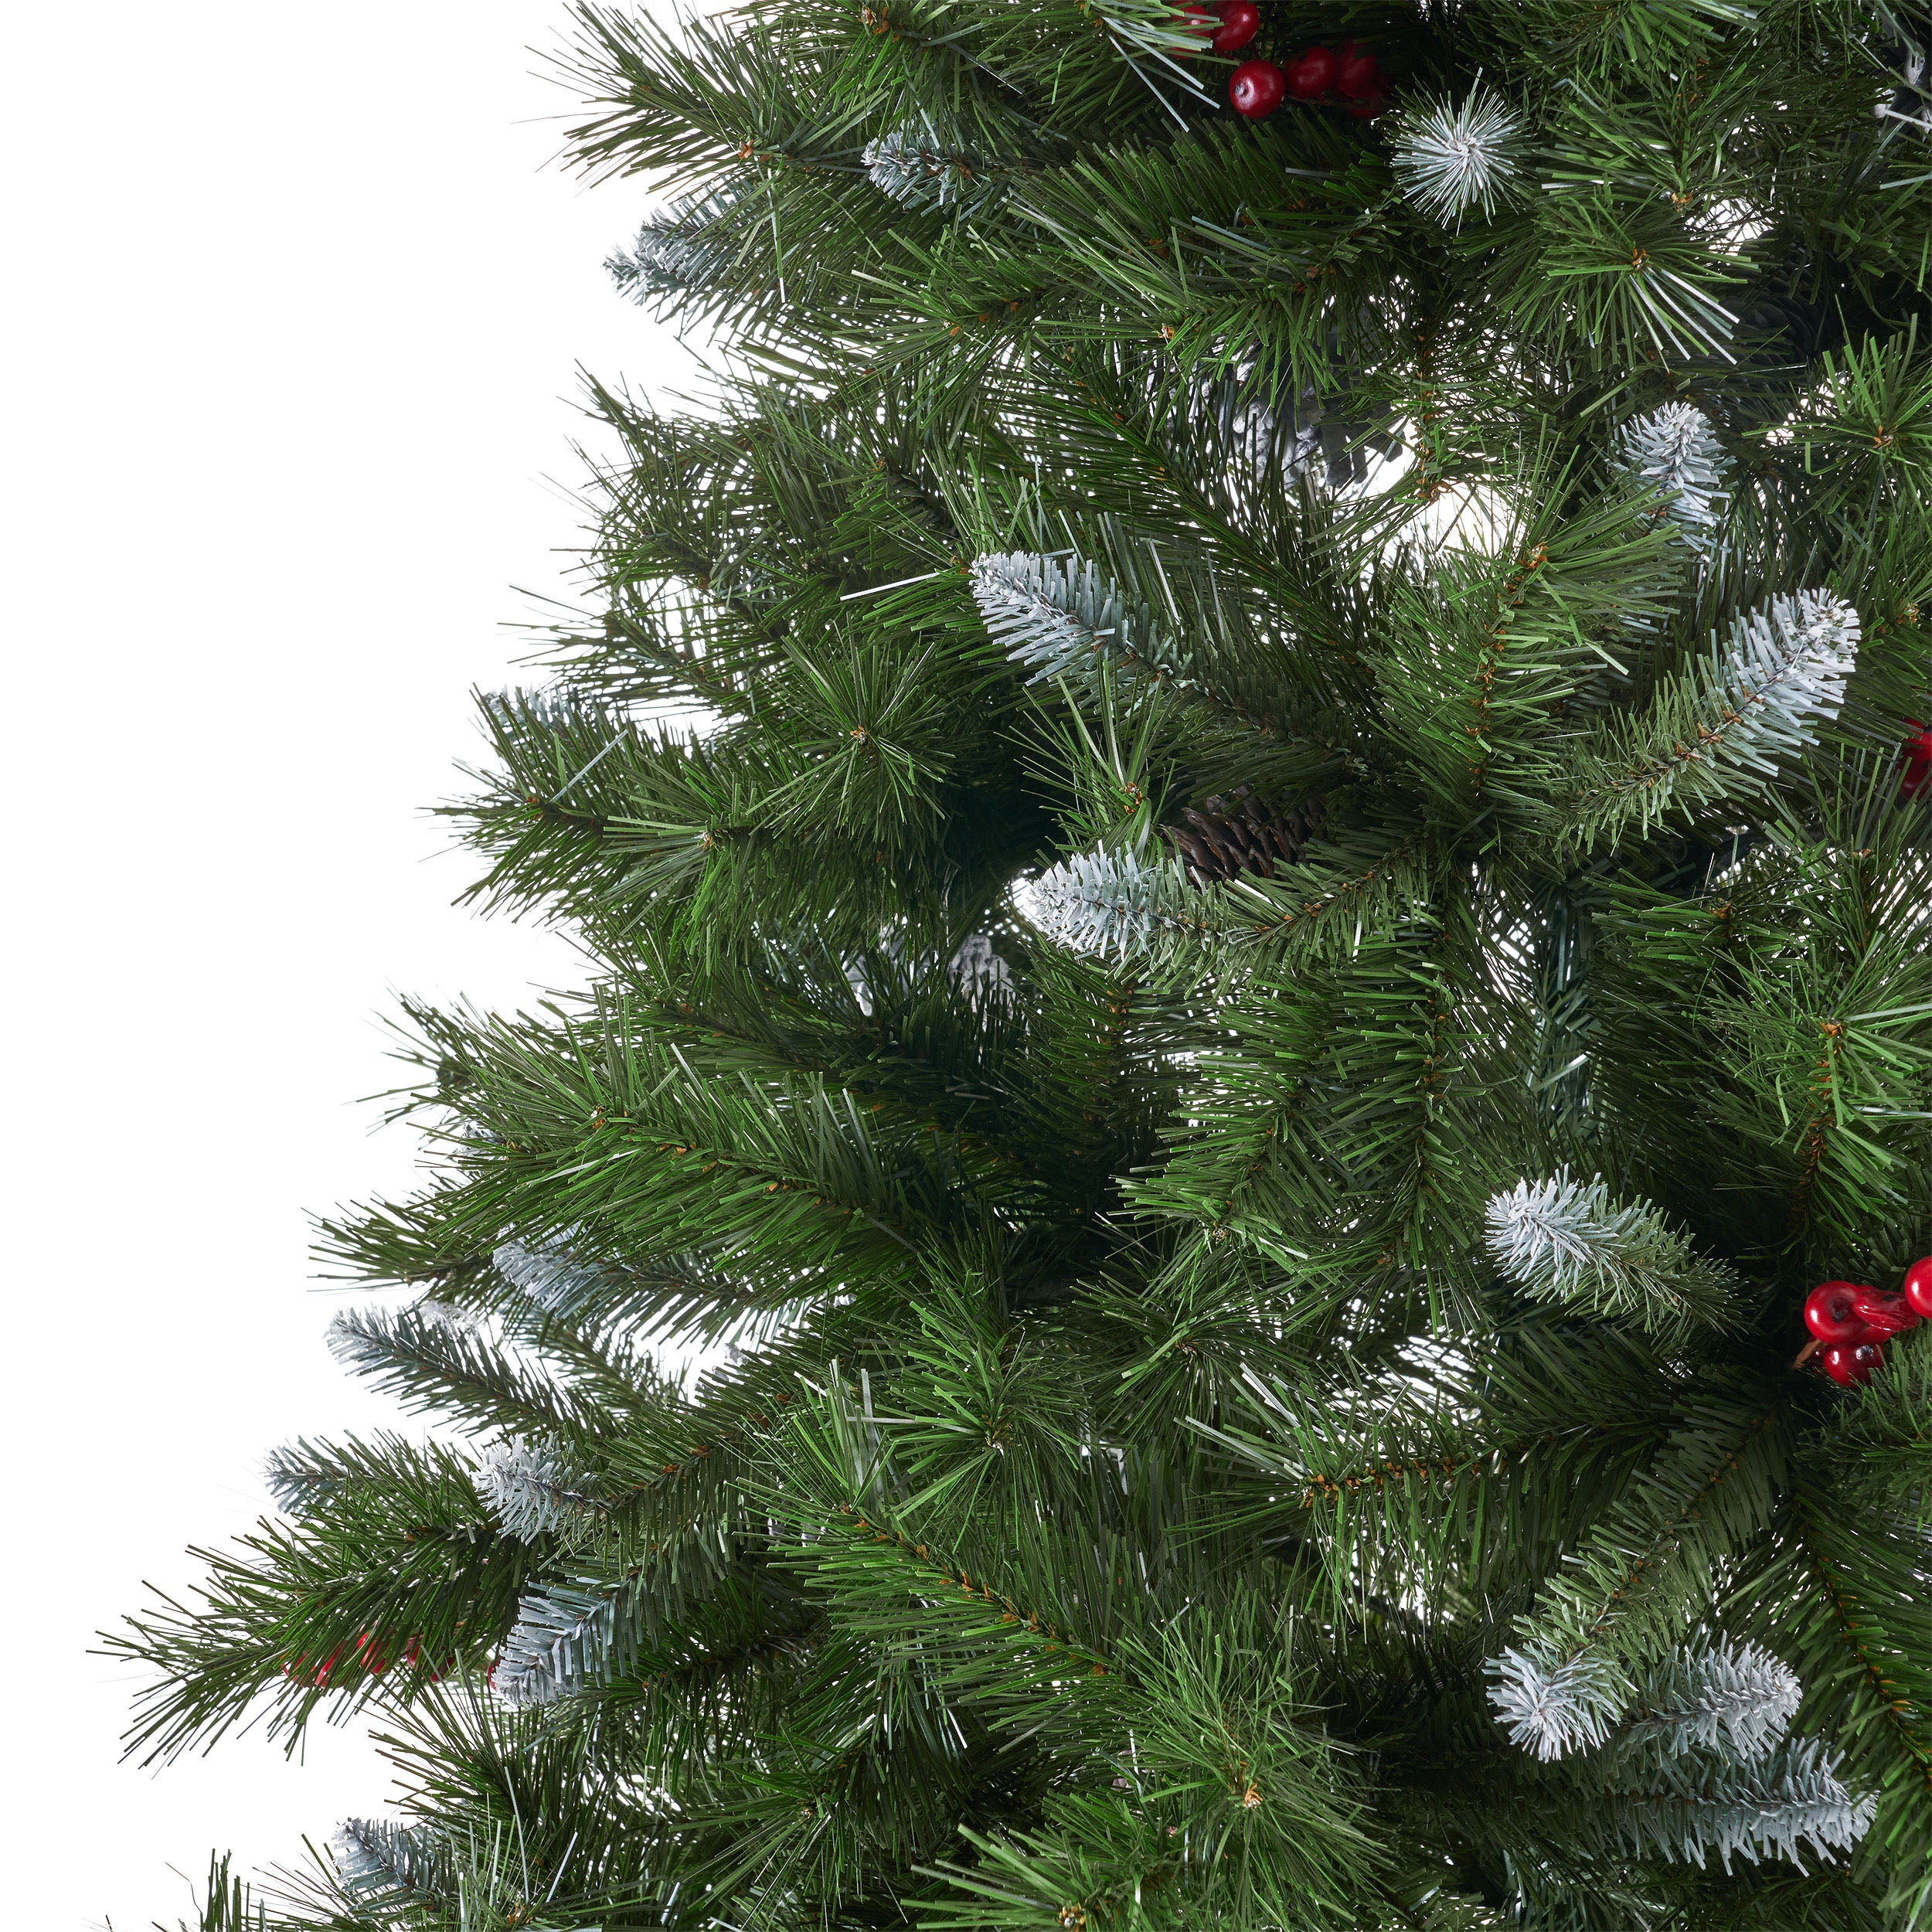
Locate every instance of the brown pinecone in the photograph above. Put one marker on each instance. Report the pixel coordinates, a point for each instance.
(1242, 833)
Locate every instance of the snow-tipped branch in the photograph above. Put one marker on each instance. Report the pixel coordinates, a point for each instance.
(565, 1636)
(1721, 730)
(1792, 1805)
(918, 171)
(1733, 1700)
(376, 1859)
(535, 1491)
(1056, 616)
(1115, 902)
(1451, 159)
(1675, 452)
(1552, 1705)
(1566, 1241)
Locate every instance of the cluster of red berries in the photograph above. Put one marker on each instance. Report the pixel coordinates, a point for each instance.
(1258, 87)
(375, 1660)
(1850, 1325)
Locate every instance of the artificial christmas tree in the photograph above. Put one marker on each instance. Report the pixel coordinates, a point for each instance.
(1257, 1059)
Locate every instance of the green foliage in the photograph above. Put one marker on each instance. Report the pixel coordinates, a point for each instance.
(404, 1573)
(227, 1904)
(1171, 1454)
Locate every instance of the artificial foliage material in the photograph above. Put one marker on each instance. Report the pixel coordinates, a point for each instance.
(1247, 813)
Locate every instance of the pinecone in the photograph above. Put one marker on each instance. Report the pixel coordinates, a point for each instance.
(1242, 833)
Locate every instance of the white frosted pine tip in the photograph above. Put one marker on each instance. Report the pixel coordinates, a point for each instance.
(346, 1342)
(1782, 666)
(1565, 1240)
(1750, 705)
(1793, 1800)
(1052, 614)
(1107, 902)
(524, 1680)
(1675, 450)
(367, 1850)
(533, 1491)
(553, 1280)
(1549, 1232)
(916, 171)
(661, 258)
(1451, 159)
(681, 248)
(1805, 1800)
(560, 1635)
(374, 1855)
(1736, 1699)
(290, 1479)
(353, 1852)
(1550, 1709)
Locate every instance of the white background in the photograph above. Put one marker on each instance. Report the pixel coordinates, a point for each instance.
(296, 307)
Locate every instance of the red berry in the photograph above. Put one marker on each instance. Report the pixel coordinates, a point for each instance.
(1918, 1287)
(1884, 1315)
(1367, 107)
(1312, 76)
(1240, 22)
(1354, 73)
(1918, 760)
(1831, 1312)
(1256, 88)
(1850, 1363)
